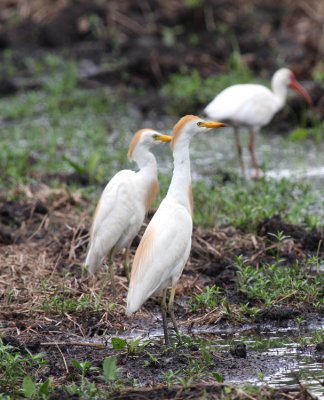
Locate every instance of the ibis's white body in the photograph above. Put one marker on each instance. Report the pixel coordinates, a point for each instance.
(253, 106)
(248, 105)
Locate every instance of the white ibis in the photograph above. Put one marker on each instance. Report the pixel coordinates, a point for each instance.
(124, 202)
(166, 243)
(253, 106)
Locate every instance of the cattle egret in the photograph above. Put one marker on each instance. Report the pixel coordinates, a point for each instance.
(165, 245)
(124, 202)
(253, 106)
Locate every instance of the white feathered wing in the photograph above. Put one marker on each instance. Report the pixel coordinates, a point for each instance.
(161, 254)
(245, 104)
(114, 219)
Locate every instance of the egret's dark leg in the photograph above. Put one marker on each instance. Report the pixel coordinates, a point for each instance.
(164, 317)
(171, 310)
(111, 266)
(239, 150)
(126, 264)
(253, 158)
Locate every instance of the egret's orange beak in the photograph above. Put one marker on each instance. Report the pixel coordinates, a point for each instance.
(298, 88)
(163, 138)
(211, 124)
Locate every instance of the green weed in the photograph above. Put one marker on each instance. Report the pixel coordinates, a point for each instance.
(270, 284)
(33, 390)
(64, 302)
(245, 205)
(188, 90)
(209, 298)
(51, 130)
(16, 369)
(110, 370)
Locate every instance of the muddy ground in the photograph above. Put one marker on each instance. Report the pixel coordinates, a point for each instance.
(44, 231)
(43, 240)
(125, 43)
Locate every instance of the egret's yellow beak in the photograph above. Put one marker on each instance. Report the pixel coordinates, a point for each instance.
(211, 124)
(162, 138)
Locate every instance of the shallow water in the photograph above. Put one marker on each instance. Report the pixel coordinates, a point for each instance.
(279, 158)
(298, 363)
(283, 354)
(277, 155)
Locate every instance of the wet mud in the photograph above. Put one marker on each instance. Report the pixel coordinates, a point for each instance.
(43, 258)
(44, 232)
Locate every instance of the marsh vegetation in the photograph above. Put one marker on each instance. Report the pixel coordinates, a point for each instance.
(250, 301)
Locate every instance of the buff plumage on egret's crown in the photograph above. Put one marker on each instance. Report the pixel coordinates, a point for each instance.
(165, 246)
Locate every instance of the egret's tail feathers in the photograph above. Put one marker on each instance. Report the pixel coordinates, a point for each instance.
(93, 261)
(133, 304)
(130, 310)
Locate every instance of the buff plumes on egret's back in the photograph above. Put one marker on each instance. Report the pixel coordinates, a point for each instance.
(253, 106)
(166, 243)
(124, 202)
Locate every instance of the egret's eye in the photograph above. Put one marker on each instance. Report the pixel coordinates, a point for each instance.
(200, 123)
(155, 136)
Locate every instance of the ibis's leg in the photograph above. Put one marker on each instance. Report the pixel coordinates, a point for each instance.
(126, 265)
(251, 149)
(111, 271)
(239, 150)
(171, 310)
(164, 317)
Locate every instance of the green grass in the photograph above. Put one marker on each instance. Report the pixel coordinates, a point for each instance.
(246, 203)
(49, 130)
(208, 299)
(61, 301)
(16, 367)
(188, 91)
(60, 126)
(279, 284)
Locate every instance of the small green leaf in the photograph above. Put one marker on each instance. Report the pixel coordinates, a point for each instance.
(298, 134)
(44, 387)
(80, 169)
(29, 387)
(110, 369)
(218, 377)
(118, 343)
(76, 364)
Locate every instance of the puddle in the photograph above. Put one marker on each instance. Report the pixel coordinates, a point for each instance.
(278, 355)
(295, 360)
(316, 172)
(294, 363)
(280, 157)
(301, 366)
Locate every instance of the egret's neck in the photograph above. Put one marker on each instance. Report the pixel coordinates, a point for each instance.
(280, 91)
(180, 187)
(146, 162)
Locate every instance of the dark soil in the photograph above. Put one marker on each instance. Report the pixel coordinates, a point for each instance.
(239, 362)
(309, 240)
(136, 31)
(48, 242)
(44, 235)
(144, 44)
